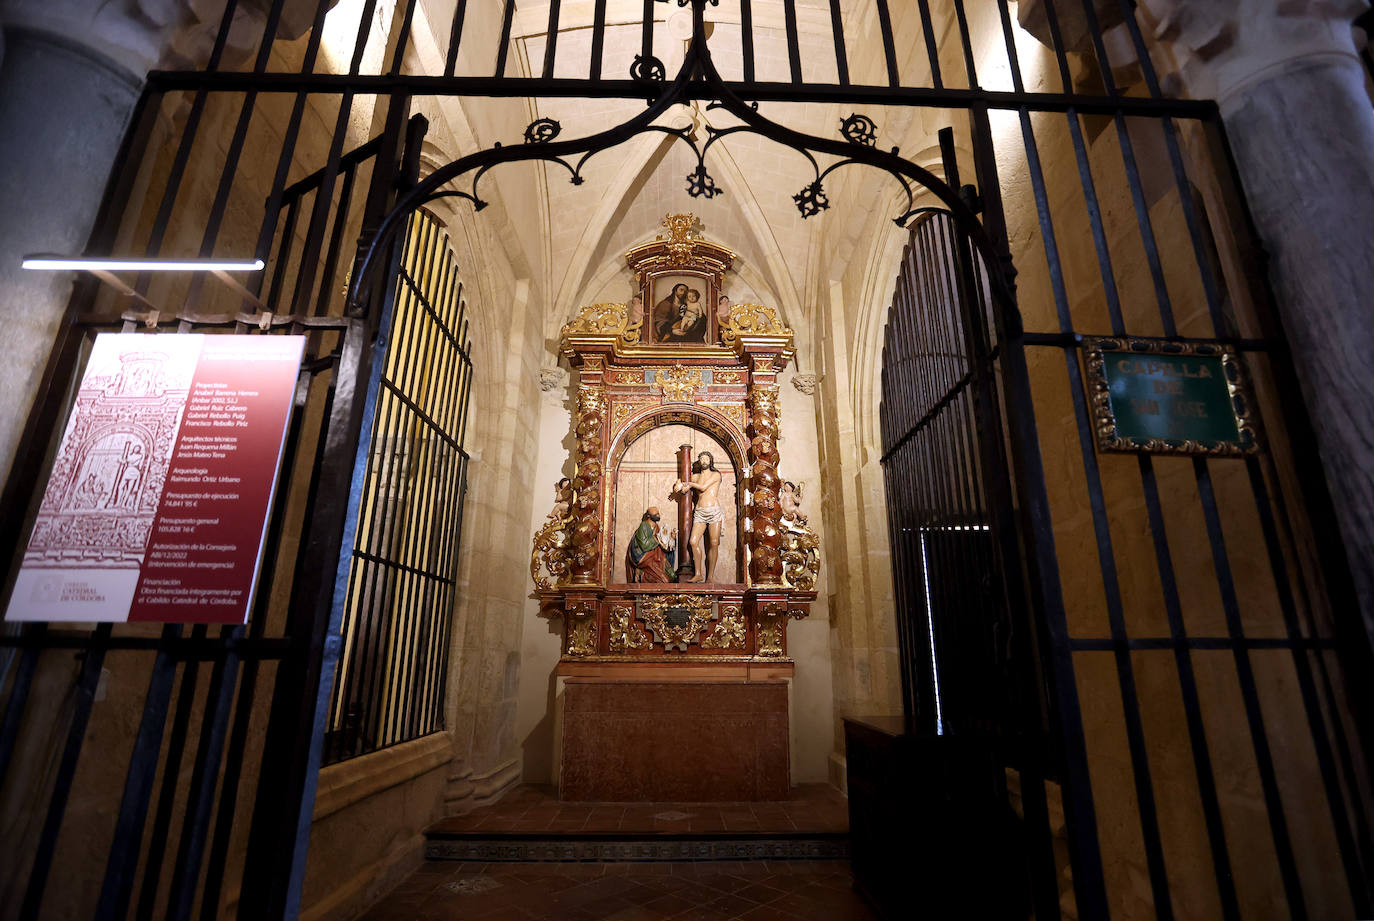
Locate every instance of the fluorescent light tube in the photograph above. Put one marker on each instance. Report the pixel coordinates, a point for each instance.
(112, 264)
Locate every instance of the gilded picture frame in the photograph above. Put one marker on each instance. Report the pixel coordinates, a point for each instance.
(1156, 361)
(667, 320)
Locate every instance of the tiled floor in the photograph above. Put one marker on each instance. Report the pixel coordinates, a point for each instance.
(533, 809)
(808, 890)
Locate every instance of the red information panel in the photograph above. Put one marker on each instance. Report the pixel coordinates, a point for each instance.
(157, 503)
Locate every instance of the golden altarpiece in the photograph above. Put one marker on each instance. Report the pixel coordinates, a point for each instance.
(657, 639)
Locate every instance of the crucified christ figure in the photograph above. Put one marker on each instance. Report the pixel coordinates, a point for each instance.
(707, 516)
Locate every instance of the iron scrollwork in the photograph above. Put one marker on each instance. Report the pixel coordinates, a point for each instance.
(860, 129)
(542, 130)
(698, 70)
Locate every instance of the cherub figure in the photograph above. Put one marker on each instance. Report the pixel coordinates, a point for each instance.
(563, 496)
(790, 497)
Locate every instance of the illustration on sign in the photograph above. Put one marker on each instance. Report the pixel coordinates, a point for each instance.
(157, 502)
(1163, 397)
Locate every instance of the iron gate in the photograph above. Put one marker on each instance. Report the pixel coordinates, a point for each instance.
(189, 781)
(980, 442)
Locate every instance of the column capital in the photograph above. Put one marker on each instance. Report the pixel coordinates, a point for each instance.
(142, 35)
(1219, 50)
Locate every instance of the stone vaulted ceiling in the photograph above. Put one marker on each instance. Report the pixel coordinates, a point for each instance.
(574, 240)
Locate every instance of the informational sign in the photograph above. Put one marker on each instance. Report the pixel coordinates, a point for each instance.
(157, 502)
(1159, 396)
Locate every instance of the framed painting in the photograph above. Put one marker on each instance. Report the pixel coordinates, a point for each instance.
(679, 307)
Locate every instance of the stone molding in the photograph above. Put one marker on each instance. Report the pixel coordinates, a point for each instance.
(1221, 50)
(352, 781)
(468, 791)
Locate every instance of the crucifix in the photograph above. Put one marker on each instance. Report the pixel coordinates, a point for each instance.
(685, 568)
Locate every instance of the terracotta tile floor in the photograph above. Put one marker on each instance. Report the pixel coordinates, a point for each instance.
(808, 890)
(533, 809)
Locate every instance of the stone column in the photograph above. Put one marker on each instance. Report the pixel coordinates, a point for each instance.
(63, 108)
(70, 74)
(1288, 79)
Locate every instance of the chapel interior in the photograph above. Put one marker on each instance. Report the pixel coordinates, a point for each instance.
(708, 490)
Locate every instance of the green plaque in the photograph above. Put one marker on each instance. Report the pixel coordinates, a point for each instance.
(1165, 397)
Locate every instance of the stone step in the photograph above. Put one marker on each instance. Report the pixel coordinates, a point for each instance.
(543, 846)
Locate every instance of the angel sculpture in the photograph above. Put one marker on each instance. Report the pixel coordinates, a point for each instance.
(801, 555)
(549, 559)
(790, 497)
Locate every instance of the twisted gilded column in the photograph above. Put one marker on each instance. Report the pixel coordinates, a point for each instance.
(765, 536)
(588, 483)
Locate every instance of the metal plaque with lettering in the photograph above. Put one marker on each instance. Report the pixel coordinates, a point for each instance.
(1164, 397)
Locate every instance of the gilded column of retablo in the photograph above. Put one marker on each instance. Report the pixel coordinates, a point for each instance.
(765, 538)
(588, 483)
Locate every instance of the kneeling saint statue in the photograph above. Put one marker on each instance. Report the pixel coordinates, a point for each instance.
(650, 556)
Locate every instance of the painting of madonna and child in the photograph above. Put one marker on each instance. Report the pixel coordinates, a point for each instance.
(647, 547)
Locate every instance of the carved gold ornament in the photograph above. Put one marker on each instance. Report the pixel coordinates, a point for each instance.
(682, 237)
(549, 561)
(604, 320)
(772, 622)
(752, 320)
(676, 620)
(623, 411)
(582, 628)
(801, 556)
(729, 632)
(678, 385)
(721, 376)
(625, 633)
(732, 411)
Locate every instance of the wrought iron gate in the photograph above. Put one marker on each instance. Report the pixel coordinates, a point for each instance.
(964, 423)
(190, 785)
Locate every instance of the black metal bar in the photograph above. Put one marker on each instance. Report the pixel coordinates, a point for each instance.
(746, 25)
(551, 39)
(970, 69)
(1040, 555)
(789, 10)
(837, 30)
(275, 867)
(647, 31)
(1135, 732)
(932, 49)
(243, 710)
(749, 90)
(1264, 759)
(503, 44)
(166, 797)
(62, 782)
(19, 693)
(201, 795)
(138, 788)
(455, 37)
(894, 78)
(1321, 741)
(598, 38)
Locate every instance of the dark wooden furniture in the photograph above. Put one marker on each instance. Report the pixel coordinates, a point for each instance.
(929, 834)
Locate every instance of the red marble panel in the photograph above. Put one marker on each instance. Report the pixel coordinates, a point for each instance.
(628, 741)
